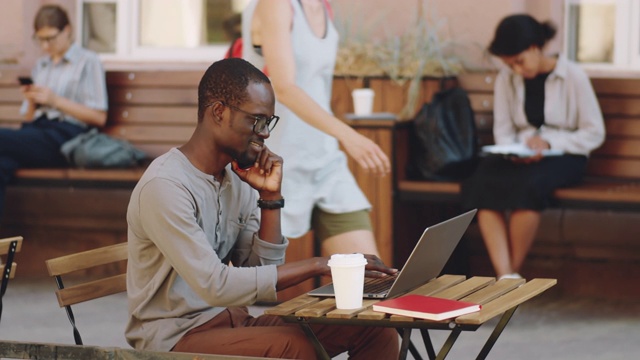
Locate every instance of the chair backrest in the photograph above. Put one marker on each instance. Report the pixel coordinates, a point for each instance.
(90, 289)
(9, 247)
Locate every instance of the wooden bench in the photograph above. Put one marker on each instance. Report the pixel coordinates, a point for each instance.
(613, 175)
(577, 228)
(153, 110)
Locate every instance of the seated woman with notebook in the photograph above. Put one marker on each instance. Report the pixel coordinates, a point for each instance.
(545, 102)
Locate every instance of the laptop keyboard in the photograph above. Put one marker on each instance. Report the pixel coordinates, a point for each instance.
(378, 285)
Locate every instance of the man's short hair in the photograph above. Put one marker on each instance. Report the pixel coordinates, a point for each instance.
(227, 80)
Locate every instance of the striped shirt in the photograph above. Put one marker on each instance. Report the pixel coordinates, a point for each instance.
(79, 77)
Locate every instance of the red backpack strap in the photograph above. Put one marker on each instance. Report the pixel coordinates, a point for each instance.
(329, 10)
(235, 49)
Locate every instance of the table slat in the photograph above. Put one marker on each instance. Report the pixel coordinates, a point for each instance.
(318, 309)
(439, 284)
(293, 305)
(493, 291)
(465, 288)
(507, 301)
(348, 314)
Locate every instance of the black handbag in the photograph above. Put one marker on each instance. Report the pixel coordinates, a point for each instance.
(444, 143)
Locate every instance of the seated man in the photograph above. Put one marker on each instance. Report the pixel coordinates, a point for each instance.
(217, 200)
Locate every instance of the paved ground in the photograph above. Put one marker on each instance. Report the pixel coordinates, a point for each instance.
(547, 327)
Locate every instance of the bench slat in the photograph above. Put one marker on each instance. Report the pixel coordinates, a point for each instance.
(619, 148)
(153, 115)
(616, 86)
(625, 127)
(10, 113)
(152, 134)
(612, 167)
(154, 96)
(171, 78)
(10, 94)
(9, 75)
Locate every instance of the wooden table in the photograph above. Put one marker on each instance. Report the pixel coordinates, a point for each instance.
(496, 297)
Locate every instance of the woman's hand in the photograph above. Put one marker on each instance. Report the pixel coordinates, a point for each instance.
(537, 144)
(365, 152)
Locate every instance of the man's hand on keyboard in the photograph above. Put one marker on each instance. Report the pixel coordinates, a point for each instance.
(375, 268)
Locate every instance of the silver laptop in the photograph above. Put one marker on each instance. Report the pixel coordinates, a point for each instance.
(426, 261)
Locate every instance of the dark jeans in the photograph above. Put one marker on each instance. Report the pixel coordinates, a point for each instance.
(35, 144)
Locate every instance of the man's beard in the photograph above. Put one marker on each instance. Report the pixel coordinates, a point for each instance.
(246, 160)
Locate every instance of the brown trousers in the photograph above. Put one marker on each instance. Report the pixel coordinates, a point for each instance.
(236, 332)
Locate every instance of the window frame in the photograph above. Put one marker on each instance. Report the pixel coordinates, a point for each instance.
(626, 54)
(127, 33)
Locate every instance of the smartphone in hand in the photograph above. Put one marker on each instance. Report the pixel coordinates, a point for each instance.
(25, 80)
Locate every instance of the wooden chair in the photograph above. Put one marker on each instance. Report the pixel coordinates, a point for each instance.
(91, 289)
(9, 247)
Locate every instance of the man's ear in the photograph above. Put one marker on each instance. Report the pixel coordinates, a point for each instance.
(217, 111)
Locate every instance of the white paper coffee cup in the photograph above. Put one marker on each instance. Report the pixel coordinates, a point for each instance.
(362, 101)
(347, 273)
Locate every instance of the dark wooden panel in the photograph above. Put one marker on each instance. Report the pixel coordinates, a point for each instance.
(154, 115)
(153, 96)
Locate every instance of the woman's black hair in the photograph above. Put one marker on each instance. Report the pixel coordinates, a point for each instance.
(51, 16)
(516, 33)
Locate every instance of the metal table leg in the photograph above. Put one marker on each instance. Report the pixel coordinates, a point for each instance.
(504, 320)
(320, 351)
(426, 338)
(446, 347)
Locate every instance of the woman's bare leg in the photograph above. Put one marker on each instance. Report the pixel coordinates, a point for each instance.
(523, 226)
(361, 241)
(493, 228)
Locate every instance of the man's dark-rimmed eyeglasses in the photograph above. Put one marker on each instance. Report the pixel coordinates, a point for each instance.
(260, 123)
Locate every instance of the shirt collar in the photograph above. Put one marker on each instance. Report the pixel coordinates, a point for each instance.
(561, 67)
(71, 55)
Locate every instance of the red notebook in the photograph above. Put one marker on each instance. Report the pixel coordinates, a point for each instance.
(425, 307)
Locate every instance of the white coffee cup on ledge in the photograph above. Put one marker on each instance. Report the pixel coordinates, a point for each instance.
(362, 101)
(347, 274)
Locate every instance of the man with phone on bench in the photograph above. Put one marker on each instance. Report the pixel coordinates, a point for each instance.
(65, 96)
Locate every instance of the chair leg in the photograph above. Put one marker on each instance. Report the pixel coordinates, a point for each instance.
(6, 273)
(72, 319)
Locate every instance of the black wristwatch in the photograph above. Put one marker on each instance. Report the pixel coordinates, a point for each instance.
(271, 204)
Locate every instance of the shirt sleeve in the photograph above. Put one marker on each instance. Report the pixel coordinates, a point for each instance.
(93, 85)
(590, 131)
(504, 131)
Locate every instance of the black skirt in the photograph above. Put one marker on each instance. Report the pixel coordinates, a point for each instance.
(501, 184)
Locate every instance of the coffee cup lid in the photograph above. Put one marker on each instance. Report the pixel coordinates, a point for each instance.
(347, 260)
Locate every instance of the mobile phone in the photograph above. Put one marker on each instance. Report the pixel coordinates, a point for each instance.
(25, 80)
